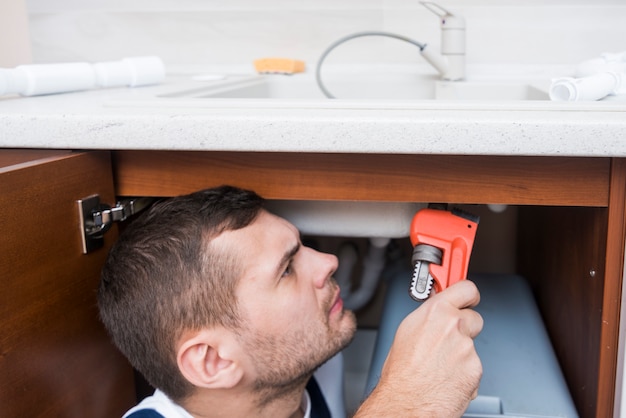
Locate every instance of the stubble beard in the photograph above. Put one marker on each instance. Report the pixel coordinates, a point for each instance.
(286, 362)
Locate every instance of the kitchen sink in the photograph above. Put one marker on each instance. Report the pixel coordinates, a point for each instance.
(362, 87)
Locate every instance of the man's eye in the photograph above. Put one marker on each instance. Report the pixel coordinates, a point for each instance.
(288, 270)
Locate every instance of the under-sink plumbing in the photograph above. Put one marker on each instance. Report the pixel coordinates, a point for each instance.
(374, 263)
(450, 63)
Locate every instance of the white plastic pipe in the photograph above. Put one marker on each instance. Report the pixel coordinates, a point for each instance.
(373, 264)
(594, 87)
(39, 79)
(348, 257)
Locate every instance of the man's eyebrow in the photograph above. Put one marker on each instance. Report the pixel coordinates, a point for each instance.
(289, 254)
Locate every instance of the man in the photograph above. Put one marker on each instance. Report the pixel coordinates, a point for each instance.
(220, 306)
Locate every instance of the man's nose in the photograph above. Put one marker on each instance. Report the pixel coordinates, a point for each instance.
(327, 265)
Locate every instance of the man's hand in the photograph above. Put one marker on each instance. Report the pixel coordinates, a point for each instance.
(432, 369)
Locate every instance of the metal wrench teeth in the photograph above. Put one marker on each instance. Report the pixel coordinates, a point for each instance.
(422, 282)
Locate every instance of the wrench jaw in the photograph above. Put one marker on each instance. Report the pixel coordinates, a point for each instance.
(422, 282)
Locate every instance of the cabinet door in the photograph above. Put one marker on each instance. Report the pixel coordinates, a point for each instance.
(55, 357)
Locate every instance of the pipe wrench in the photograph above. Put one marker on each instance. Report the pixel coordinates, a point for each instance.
(442, 244)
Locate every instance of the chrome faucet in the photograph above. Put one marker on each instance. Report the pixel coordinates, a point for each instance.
(451, 63)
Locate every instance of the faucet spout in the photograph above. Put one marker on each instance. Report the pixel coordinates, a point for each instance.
(451, 63)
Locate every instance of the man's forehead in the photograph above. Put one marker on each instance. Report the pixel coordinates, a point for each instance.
(264, 226)
(260, 248)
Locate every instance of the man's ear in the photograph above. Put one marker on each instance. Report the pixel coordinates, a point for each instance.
(206, 359)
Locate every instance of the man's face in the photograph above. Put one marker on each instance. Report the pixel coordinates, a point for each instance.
(293, 317)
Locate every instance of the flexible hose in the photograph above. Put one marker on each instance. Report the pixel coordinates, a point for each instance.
(318, 69)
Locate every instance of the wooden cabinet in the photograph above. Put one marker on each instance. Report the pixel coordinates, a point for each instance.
(55, 357)
(571, 216)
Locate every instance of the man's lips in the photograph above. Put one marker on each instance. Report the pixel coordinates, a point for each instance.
(337, 305)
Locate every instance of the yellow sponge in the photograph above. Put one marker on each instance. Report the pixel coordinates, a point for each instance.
(278, 65)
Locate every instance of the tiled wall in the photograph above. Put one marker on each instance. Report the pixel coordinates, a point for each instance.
(238, 31)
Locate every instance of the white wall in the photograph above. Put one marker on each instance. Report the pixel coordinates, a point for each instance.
(238, 31)
(14, 40)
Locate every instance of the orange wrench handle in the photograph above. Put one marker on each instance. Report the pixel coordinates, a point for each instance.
(453, 233)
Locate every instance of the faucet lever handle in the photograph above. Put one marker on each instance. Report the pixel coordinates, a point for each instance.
(436, 9)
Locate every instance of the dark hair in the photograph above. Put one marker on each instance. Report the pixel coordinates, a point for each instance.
(162, 278)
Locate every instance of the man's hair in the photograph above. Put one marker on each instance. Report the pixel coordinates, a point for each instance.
(162, 278)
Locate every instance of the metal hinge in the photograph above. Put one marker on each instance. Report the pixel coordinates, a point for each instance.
(96, 218)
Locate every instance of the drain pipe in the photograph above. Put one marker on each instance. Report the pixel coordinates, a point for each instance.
(373, 264)
(348, 257)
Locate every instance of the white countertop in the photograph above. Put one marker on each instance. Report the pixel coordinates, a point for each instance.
(126, 118)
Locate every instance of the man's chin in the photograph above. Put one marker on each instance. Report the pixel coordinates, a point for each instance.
(347, 328)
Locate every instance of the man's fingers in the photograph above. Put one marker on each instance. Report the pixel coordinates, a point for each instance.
(471, 323)
(474, 394)
(463, 294)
